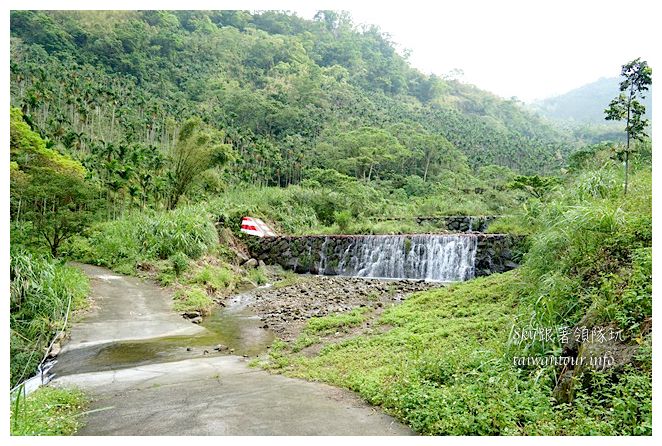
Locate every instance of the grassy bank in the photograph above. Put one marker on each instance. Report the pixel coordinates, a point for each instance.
(48, 411)
(444, 360)
(42, 291)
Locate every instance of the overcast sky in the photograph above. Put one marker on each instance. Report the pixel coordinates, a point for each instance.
(528, 49)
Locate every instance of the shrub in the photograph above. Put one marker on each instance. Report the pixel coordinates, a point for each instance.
(193, 299)
(343, 220)
(214, 278)
(153, 236)
(40, 291)
(179, 263)
(257, 276)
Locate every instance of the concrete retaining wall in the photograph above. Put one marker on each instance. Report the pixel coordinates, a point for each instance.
(494, 252)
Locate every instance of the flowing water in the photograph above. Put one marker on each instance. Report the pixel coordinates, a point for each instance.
(442, 258)
(234, 326)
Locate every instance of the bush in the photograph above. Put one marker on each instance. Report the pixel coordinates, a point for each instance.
(214, 278)
(179, 262)
(193, 299)
(343, 220)
(40, 291)
(153, 236)
(257, 276)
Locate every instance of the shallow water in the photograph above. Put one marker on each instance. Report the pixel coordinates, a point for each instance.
(234, 326)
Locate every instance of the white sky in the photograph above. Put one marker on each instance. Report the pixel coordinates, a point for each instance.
(528, 49)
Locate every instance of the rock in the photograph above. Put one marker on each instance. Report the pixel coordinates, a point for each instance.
(221, 348)
(55, 350)
(191, 314)
(261, 263)
(188, 349)
(196, 320)
(251, 263)
(242, 257)
(206, 352)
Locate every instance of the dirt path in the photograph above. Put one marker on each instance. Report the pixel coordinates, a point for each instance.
(217, 395)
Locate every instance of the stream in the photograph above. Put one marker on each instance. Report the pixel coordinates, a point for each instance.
(234, 326)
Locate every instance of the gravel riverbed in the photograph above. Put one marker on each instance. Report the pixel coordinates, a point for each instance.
(285, 310)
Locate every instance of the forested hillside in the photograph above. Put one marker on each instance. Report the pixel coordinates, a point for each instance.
(585, 104)
(113, 90)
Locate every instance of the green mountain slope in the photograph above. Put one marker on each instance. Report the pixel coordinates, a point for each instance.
(106, 85)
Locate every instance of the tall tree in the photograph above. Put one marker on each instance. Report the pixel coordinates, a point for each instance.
(637, 78)
(198, 149)
(48, 189)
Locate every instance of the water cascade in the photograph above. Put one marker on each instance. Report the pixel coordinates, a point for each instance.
(442, 258)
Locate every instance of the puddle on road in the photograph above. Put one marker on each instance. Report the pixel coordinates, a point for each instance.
(234, 326)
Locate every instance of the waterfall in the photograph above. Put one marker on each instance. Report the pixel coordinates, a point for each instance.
(443, 258)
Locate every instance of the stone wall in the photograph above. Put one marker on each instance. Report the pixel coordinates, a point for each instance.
(455, 223)
(459, 223)
(303, 254)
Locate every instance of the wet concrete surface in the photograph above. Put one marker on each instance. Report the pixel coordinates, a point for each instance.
(222, 396)
(150, 372)
(234, 327)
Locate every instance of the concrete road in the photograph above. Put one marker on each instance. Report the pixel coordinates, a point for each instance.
(217, 395)
(125, 308)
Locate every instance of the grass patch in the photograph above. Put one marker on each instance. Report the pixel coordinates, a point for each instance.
(287, 278)
(213, 278)
(441, 368)
(304, 340)
(148, 236)
(48, 411)
(193, 299)
(40, 291)
(327, 324)
(445, 368)
(257, 276)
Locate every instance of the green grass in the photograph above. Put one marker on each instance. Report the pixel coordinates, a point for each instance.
(440, 368)
(48, 411)
(305, 340)
(193, 298)
(40, 291)
(445, 367)
(287, 278)
(326, 324)
(153, 235)
(257, 276)
(213, 278)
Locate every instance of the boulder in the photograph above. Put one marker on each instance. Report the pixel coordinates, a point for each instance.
(251, 263)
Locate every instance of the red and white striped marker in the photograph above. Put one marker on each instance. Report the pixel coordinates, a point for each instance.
(255, 226)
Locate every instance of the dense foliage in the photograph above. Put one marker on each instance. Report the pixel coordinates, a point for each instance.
(41, 293)
(114, 90)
